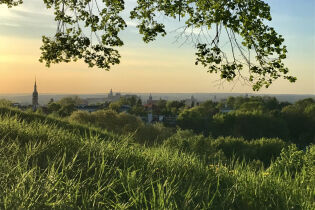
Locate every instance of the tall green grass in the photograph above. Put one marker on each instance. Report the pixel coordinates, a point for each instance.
(51, 164)
(29, 117)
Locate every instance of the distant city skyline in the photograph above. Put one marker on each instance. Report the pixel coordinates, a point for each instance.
(158, 67)
(45, 98)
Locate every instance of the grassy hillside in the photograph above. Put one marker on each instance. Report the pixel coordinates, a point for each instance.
(47, 163)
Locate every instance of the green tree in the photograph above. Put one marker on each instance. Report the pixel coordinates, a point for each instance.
(131, 101)
(174, 107)
(236, 102)
(249, 124)
(138, 110)
(161, 108)
(301, 121)
(310, 111)
(53, 107)
(4, 102)
(198, 118)
(271, 103)
(252, 106)
(74, 100)
(243, 22)
(65, 106)
(115, 106)
(66, 110)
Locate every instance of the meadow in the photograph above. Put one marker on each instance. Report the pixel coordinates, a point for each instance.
(50, 163)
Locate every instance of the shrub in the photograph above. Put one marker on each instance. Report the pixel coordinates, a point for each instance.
(129, 123)
(292, 161)
(249, 125)
(82, 117)
(187, 141)
(5, 103)
(153, 134)
(262, 149)
(110, 120)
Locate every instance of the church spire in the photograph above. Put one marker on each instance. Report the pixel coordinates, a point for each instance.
(35, 86)
(35, 97)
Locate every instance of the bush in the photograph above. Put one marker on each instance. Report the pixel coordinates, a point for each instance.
(110, 120)
(262, 149)
(209, 149)
(250, 125)
(153, 134)
(292, 161)
(82, 117)
(124, 123)
(187, 141)
(5, 103)
(129, 123)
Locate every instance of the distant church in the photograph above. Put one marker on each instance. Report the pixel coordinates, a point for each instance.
(113, 98)
(35, 98)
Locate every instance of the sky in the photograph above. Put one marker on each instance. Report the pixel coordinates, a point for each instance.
(163, 66)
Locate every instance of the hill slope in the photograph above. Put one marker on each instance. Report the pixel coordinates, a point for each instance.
(49, 163)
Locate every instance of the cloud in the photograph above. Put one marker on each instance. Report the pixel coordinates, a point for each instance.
(9, 24)
(29, 20)
(21, 16)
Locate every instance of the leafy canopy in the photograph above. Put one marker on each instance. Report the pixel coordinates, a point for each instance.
(253, 45)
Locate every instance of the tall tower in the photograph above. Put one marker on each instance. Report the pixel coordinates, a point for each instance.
(35, 97)
(150, 99)
(110, 95)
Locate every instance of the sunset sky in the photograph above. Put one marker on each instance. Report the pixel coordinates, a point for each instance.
(161, 66)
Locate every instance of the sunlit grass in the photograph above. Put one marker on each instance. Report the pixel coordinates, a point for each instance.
(49, 163)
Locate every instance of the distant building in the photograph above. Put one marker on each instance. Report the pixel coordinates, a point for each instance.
(151, 102)
(226, 109)
(16, 105)
(89, 108)
(131, 96)
(150, 117)
(35, 98)
(124, 108)
(191, 102)
(113, 98)
(93, 101)
(110, 95)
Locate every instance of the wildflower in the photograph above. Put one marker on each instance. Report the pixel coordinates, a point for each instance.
(211, 166)
(266, 173)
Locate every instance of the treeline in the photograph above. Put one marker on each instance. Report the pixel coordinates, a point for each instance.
(244, 117)
(253, 117)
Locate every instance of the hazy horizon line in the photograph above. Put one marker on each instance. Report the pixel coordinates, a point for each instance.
(256, 93)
